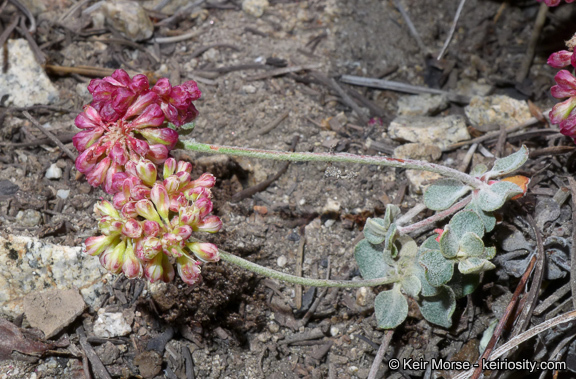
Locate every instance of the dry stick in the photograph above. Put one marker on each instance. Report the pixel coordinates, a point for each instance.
(566, 317)
(269, 128)
(86, 366)
(283, 71)
(380, 354)
(38, 54)
(411, 26)
(550, 300)
(501, 143)
(203, 49)
(538, 25)
(189, 363)
(468, 157)
(452, 29)
(22, 8)
(552, 150)
(65, 138)
(319, 298)
(402, 87)
(572, 183)
(532, 121)
(97, 365)
(182, 37)
(299, 262)
(49, 134)
(6, 33)
(557, 350)
(504, 319)
(263, 185)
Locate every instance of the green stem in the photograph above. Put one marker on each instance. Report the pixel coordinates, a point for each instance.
(334, 157)
(268, 272)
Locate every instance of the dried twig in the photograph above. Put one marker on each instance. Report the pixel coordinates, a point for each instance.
(557, 295)
(411, 26)
(283, 71)
(380, 354)
(203, 49)
(49, 134)
(538, 25)
(9, 29)
(22, 8)
(182, 37)
(299, 263)
(401, 87)
(189, 362)
(97, 365)
(317, 301)
(452, 29)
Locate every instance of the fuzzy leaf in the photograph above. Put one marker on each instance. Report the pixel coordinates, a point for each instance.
(463, 285)
(411, 285)
(489, 253)
(475, 265)
(487, 218)
(449, 244)
(390, 308)
(430, 244)
(438, 270)
(370, 260)
(374, 230)
(508, 164)
(466, 221)
(439, 309)
(392, 211)
(478, 170)
(471, 245)
(389, 241)
(426, 288)
(494, 196)
(443, 193)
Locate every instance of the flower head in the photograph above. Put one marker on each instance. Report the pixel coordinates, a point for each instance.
(554, 3)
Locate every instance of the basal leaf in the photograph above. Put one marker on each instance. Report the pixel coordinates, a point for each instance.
(471, 245)
(438, 270)
(449, 244)
(426, 288)
(443, 193)
(411, 285)
(375, 231)
(463, 285)
(439, 309)
(487, 217)
(430, 244)
(489, 253)
(478, 170)
(392, 211)
(494, 196)
(466, 221)
(389, 240)
(390, 308)
(475, 265)
(370, 260)
(508, 164)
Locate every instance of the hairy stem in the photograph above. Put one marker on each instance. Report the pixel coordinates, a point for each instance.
(437, 217)
(268, 272)
(335, 157)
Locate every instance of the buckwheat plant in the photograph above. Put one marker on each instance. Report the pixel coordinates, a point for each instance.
(150, 223)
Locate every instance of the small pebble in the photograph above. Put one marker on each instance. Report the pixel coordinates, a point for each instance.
(334, 331)
(282, 260)
(29, 217)
(249, 88)
(53, 172)
(302, 201)
(329, 223)
(63, 194)
(273, 327)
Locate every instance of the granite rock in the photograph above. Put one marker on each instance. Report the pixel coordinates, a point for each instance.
(438, 131)
(422, 105)
(491, 112)
(255, 8)
(129, 19)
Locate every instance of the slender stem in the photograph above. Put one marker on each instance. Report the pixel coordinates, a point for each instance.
(437, 217)
(268, 272)
(335, 157)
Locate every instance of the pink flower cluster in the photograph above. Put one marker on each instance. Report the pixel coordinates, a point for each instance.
(148, 225)
(127, 121)
(564, 113)
(554, 3)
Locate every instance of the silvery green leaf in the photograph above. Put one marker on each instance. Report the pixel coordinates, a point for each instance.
(430, 244)
(426, 288)
(184, 129)
(463, 285)
(438, 270)
(466, 221)
(449, 244)
(439, 309)
(389, 240)
(494, 196)
(487, 217)
(443, 193)
(489, 253)
(392, 211)
(478, 170)
(374, 230)
(411, 285)
(390, 308)
(508, 164)
(370, 260)
(471, 245)
(475, 265)
(409, 247)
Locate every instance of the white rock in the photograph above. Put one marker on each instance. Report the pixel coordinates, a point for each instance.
(334, 331)
(63, 194)
(439, 131)
(255, 8)
(491, 112)
(129, 19)
(53, 172)
(25, 83)
(429, 153)
(329, 223)
(332, 206)
(28, 264)
(249, 88)
(111, 325)
(281, 262)
(420, 180)
(421, 105)
(29, 217)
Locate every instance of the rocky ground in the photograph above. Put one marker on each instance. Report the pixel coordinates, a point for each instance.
(237, 324)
